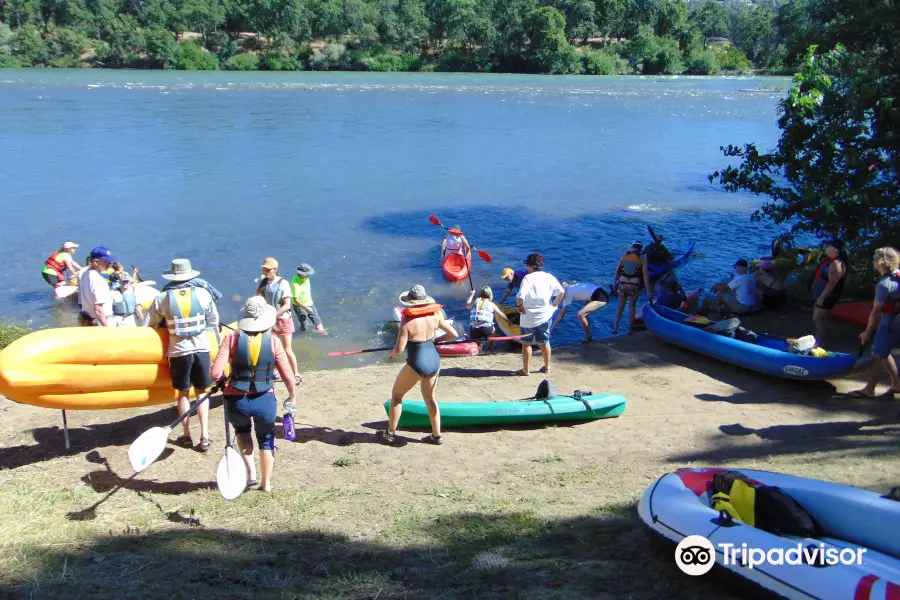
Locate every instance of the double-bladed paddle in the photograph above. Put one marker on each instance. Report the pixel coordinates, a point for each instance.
(150, 444)
(484, 255)
(463, 341)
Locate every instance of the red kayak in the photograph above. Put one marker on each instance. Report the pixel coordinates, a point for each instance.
(455, 267)
(461, 349)
(851, 313)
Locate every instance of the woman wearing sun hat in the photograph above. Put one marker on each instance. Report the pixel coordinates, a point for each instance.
(254, 353)
(421, 318)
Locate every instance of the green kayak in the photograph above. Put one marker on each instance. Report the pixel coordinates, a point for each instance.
(558, 408)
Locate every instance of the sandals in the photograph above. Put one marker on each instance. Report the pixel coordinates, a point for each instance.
(289, 406)
(205, 445)
(384, 437)
(587, 340)
(859, 394)
(252, 483)
(297, 379)
(888, 395)
(522, 373)
(432, 439)
(545, 370)
(184, 441)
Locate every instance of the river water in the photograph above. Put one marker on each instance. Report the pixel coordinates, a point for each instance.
(342, 170)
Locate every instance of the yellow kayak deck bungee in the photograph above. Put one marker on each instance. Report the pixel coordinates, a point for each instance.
(91, 368)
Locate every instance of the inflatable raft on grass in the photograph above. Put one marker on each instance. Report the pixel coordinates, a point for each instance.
(846, 520)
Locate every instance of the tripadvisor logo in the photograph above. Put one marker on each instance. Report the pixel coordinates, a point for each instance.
(696, 555)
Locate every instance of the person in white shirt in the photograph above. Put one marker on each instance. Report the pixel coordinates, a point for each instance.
(740, 295)
(594, 297)
(93, 291)
(539, 295)
(455, 243)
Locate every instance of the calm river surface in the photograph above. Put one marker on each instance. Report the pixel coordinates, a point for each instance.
(342, 170)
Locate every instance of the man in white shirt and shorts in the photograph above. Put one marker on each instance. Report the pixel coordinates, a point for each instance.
(594, 297)
(538, 297)
(94, 294)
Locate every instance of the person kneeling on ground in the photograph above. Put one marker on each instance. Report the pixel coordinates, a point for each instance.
(594, 298)
(421, 319)
(537, 300)
(254, 353)
(481, 317)
(740, 294)
(885, 316)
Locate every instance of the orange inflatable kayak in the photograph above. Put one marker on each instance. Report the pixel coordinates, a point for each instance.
(851, 313)
(90, 368)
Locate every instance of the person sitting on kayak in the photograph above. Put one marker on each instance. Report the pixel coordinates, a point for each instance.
(127, 312)
(594, 297)
(455, 243)
(421, 318)
(514, 281)
(59, 263)
(481, 317)
(770, 285)
(254, 353)
(632, 275)
(884, 322)
(739, 295)
(827, 285)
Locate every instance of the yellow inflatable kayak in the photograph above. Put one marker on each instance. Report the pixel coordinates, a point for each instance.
(91, 368)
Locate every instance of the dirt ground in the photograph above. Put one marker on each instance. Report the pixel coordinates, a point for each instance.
(518, 512)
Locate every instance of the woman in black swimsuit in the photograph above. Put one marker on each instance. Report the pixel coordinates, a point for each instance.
(421, 320)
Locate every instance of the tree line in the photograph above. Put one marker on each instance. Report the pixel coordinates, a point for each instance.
(597, 37)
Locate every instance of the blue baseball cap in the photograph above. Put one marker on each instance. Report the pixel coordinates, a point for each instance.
(103, 254)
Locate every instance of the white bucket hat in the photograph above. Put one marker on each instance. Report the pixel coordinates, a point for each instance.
(180, 270)
(256, 315)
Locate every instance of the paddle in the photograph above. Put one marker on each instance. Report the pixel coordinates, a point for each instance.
(484, 255)
(137, 274)
(150, 444)
(490, 339)
(231, 475)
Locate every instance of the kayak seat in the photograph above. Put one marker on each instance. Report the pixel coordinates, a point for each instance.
(545, 391)
(761, 506)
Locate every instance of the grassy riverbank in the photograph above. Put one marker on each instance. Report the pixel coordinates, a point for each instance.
(536, 512)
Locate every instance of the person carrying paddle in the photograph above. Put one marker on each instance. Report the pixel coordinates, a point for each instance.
(884, 322)
(254, 353)
(594, 298)
(537, 300)
(187, 311)
(277, 292)
(455, 243)
(422, 317)
(59, 263)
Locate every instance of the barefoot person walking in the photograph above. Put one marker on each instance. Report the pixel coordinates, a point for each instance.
(421, 319)
(537, 300)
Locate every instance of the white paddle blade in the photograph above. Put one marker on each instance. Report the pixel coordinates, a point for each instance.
(231, 476)
(147, 448)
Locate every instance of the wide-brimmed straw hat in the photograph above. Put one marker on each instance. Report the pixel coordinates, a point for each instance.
(180, 270)
(256, 315)
(414, 296)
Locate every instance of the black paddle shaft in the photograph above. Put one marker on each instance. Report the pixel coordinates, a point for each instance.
(193, 407)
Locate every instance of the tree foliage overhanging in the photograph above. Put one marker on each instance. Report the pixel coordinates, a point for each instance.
(597, 37)
(836, 168)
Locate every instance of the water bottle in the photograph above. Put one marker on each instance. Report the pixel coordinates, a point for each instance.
(287, 423)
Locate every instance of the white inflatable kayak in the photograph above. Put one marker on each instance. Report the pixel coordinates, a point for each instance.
(856, 555)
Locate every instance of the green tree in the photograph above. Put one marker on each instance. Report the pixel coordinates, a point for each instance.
(548, 47)
(191, 57)
(753, 32)
(651, 54)
(6, 39)
(160, 47)
(30, 47)
(712, 19)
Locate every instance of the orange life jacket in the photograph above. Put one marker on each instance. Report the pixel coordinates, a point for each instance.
(422, 310)
(821, 276)
(55, 264)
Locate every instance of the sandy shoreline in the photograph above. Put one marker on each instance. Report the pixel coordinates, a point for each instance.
(683, 409)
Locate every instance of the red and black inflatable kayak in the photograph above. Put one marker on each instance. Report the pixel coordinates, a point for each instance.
(456, 268)
(851, 313)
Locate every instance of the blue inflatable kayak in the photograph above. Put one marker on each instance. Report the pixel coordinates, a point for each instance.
(768, 355)
(680, 258)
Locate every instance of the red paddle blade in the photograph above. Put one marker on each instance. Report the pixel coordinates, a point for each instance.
(484, 256)
(435, 221)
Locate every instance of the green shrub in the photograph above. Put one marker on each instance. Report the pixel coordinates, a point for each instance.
(734, 61)
(6, 40)
(67, 43)
(10, 333)
(703, 62)
(242, 62)
(160, 47)
(10, 62)
(333, 56)
(602, 62)
(456, 61)
(30, 47)
(277, 61)
(191, 57)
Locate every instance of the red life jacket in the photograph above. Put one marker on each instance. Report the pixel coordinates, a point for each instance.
(892, 307)
(422, 310)
(821, 276)
(56, 265)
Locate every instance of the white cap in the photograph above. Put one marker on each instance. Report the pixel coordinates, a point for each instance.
(70, 245)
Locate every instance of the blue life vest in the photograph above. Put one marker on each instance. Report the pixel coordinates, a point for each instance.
(123, 304)
(185, 325)
(248, 377)
(482, 313)
(273, 292)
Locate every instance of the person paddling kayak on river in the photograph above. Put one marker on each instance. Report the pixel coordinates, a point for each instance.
(422, 317)
(594, 297)
(455, 243)
(254, 353)
(59, 263)
(514, 281)
(186, 312)
(535, 302)
(303, 300)
(277, 292)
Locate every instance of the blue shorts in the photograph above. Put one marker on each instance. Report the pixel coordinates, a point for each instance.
(261, 409)
(887, 338)
(541, 333)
